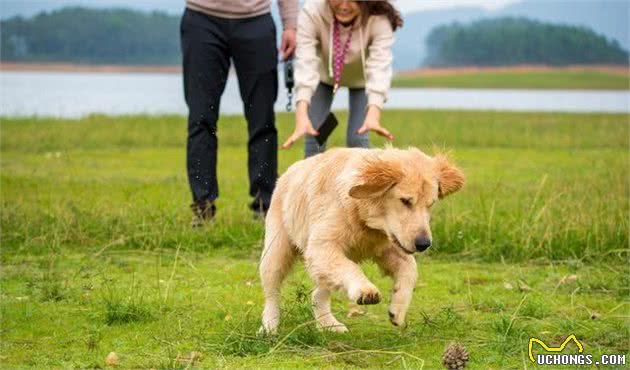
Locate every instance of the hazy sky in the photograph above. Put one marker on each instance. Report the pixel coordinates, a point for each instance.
(9, 8)
(413, 5)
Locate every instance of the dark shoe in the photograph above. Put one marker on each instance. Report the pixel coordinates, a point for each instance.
(203, 212)
(258, 209)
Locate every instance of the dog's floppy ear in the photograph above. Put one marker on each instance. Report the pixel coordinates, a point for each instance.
(376, 178)
(450, 178)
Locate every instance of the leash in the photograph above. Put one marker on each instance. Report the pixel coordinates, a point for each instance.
(289, 82)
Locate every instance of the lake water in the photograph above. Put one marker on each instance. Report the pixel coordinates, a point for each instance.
(60, 94)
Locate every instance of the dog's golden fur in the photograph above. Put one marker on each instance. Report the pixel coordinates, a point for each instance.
(344, 206)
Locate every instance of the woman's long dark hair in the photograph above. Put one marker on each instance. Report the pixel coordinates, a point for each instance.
(381, 7)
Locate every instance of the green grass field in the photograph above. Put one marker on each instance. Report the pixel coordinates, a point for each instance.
(98, 256)
(556, 79)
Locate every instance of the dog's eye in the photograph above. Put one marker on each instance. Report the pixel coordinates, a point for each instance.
(407, 202)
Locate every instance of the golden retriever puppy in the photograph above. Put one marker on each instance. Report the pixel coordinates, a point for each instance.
(344, 206)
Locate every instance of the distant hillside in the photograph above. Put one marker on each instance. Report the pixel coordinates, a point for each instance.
(609, 18)
(85, 35)
(118, 36)
(29, 8)
(517, 41)
(410, 48)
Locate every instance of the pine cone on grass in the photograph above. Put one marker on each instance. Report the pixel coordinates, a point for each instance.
(455, 357)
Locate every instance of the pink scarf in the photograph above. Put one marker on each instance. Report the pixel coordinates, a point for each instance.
(339, 53)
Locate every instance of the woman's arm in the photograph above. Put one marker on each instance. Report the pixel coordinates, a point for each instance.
(378, 75)
(306, 59)
(306, 76)
(378, 66)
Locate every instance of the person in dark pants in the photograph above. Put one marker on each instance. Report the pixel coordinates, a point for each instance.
(212, 34)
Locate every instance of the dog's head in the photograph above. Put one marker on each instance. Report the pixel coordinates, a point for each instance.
(396, 189)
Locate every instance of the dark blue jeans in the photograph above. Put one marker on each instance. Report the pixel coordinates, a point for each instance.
(208, 45)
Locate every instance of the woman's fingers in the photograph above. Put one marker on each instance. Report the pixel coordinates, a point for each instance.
(312, 131)
(287, 144)
(292, 139)
(297, 135)
(378, 129)
(363, 129)
(383, 132)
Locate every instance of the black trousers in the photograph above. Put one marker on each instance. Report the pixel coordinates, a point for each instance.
(208, 43)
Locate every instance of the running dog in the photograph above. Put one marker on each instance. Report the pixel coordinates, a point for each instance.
(344, 206)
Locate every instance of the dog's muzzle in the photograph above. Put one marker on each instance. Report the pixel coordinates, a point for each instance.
(422, 243)
(399, 244)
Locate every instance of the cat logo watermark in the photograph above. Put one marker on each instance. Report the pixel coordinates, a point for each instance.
(556, 358)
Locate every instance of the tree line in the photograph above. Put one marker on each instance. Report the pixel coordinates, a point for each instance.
(512, 41)
(123, 36)
(92, 36)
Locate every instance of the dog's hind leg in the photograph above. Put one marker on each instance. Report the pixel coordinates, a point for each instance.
(402, 268)
(323, 314)
(275, 264)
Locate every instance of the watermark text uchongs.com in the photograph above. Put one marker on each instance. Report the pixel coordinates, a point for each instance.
(553, 357)
(579, 359)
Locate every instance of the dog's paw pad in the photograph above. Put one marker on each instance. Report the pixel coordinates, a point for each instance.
(265, 333)
(337, 328)
(392, 319)
(372, 297)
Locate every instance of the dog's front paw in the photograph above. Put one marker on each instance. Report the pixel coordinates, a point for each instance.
(367, 294)
(396, 320)
(269, 327)
(266, 332)
(396, 316)
(334, 327)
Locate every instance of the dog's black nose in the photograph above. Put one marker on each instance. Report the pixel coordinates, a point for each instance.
(422, 243)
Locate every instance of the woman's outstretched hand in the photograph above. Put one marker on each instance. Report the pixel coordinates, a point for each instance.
(303, 125)
(372, 123)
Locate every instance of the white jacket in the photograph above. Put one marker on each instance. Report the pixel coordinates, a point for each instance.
(368, 61)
